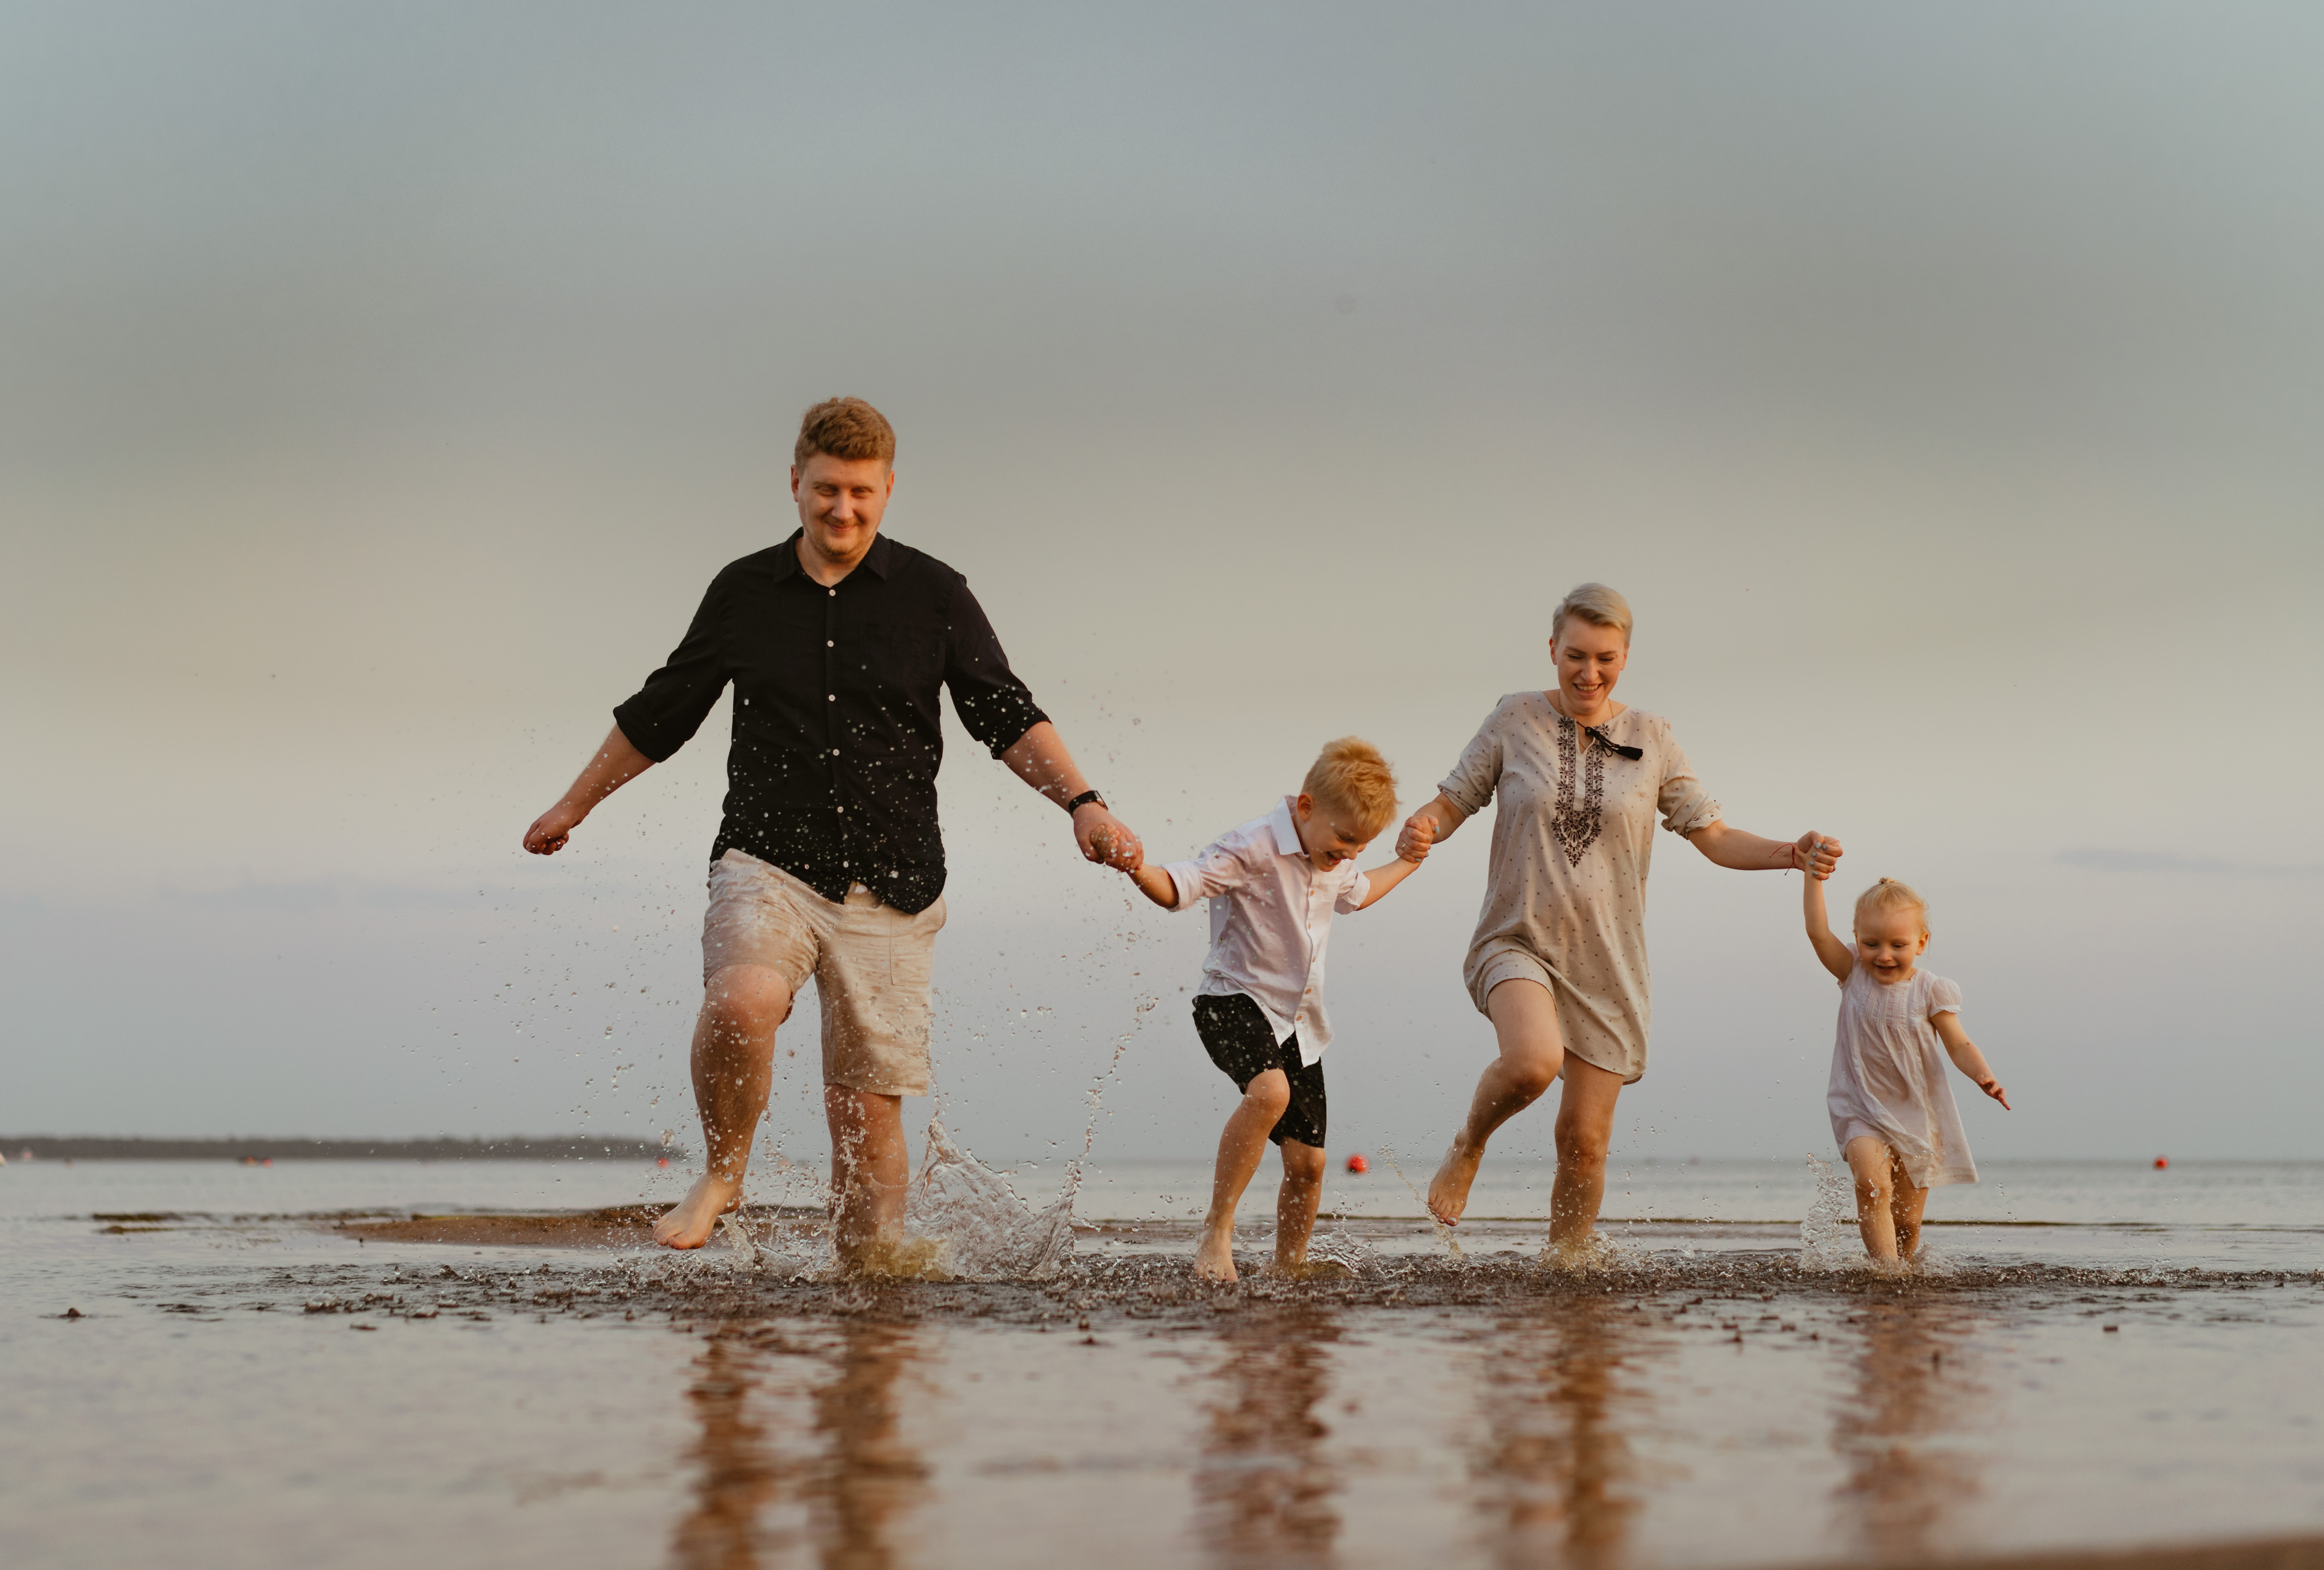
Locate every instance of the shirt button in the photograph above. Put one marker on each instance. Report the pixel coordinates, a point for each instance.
(831, 697)
(834, 752)
(833, 593)
(839, 809)
(828, 644)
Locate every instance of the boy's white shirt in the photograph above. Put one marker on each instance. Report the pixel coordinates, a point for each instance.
(1270, 921)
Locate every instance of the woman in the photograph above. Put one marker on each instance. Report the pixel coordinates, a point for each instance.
(1559, 961)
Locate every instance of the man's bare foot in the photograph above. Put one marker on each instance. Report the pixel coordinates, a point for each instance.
(1303, 1268)
(893, 1253)
(1448, 1191)
(1215, 1256)
(689, 1223)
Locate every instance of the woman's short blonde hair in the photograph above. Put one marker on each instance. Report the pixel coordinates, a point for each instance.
(1594, 603)
(1350, 775)
(1888, 895)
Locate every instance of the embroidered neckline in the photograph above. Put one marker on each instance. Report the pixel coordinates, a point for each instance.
(1576, 828)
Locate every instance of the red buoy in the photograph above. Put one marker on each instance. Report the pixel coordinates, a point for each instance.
(2161, 1162)
(1356, 1163)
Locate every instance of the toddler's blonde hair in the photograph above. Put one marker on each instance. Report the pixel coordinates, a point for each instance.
(1888, 895)
(1349, 774)
(1594, 603)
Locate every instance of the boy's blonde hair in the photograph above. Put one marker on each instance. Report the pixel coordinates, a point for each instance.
(1349, 774)
(1594, 603)
(1888, 895)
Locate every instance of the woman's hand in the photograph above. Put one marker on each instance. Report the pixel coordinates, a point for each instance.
(1816, 854)
(1414, 840)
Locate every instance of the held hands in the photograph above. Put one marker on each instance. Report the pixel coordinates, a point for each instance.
(1993, 1087)
(1816, 854)
(1414, 839)
(553, 828)
(1106, 840)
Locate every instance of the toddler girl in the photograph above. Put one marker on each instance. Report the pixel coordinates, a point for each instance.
(1892, 1110)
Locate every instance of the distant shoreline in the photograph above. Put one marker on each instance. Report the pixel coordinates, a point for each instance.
(502, 1147)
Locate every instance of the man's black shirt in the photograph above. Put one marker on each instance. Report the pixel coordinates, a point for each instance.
(832, 775)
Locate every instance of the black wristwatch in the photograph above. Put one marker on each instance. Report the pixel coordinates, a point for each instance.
(1083, 800)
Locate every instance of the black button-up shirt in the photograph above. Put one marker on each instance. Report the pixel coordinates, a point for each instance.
(832, 775)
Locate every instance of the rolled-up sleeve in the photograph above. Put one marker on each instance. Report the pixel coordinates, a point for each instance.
(1471, 784)
(1218, 869)
(1352, 898)
(994, 706)
(663, 715)
(1684, 803)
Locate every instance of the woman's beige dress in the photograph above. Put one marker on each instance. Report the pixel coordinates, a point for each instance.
(1565, 899)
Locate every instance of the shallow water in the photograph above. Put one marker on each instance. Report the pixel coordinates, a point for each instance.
(1706, 1402)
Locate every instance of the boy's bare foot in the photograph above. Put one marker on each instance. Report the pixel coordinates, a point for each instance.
(1448, 1191)
(689, 1223)
(1215, 1256)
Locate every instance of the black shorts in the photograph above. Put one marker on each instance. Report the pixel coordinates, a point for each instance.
(1243, 1045)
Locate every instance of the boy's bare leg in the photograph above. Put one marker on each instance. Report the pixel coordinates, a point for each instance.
(1295, 1207)
(1874, 1165)
(1585, 1127)
(1904, 1211)
(733, 1070)
(1525, 1020)
(870, 1171)
(1241, 1147)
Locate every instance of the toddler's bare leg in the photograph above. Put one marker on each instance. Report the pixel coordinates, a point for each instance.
(1904, 1211)
(1241, 1146)
(1524, 1023)
(1874, 1164)
(733, 1070)
(1585, 1127)
(1295, 1206)
(871, 1170)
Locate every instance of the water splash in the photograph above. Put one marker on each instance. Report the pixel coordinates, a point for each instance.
(984, 1230)
(1829, 1240)
(1443, 1233)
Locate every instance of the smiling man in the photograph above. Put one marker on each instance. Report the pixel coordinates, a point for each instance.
(829, 863)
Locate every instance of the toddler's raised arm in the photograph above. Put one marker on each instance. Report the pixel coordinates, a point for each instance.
(1838, 956)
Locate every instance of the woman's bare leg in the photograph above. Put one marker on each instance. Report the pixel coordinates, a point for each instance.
(1524, 1022)
(1874, 1165)
(733, 1070)
(1585, 1127)
(1241, 1146)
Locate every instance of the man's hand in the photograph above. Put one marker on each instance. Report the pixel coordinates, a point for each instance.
(1106, 840)
(549, 830)
(1816, 854)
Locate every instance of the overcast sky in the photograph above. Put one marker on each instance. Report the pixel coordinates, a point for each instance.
(380, 386)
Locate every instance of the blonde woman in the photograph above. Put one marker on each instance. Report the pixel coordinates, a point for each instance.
(1559, 960)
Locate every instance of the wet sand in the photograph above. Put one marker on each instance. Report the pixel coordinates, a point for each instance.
(361, 1388)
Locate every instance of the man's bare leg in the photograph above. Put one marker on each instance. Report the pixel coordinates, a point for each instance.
(1585, 1127)
(1525, 1020)
(733, 1070)
(1241, 1147)
(871, 1173)
(1295, 1206)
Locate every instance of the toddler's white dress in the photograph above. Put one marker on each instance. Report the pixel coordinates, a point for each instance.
(1891, 1079)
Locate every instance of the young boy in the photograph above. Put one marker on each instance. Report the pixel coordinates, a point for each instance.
(1272, 885)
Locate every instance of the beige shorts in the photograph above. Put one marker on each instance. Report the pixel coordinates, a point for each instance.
(871, 963)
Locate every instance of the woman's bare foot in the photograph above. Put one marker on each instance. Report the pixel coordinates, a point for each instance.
(1215, 1256)
(1448, 1191)
(689, 1223)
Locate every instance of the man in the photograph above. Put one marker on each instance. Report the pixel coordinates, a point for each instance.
(829, 863)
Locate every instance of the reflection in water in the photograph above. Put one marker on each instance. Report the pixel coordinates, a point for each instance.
(1913, 1386)
(1264, 1490)
(1560, 1400)
(800, 1448)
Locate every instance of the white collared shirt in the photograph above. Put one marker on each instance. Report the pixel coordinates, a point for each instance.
(1270, 919)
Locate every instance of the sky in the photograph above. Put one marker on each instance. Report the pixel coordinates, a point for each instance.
(380, 386)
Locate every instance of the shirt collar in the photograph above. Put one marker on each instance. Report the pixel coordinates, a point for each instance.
(881, 559)
(1286, 832)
